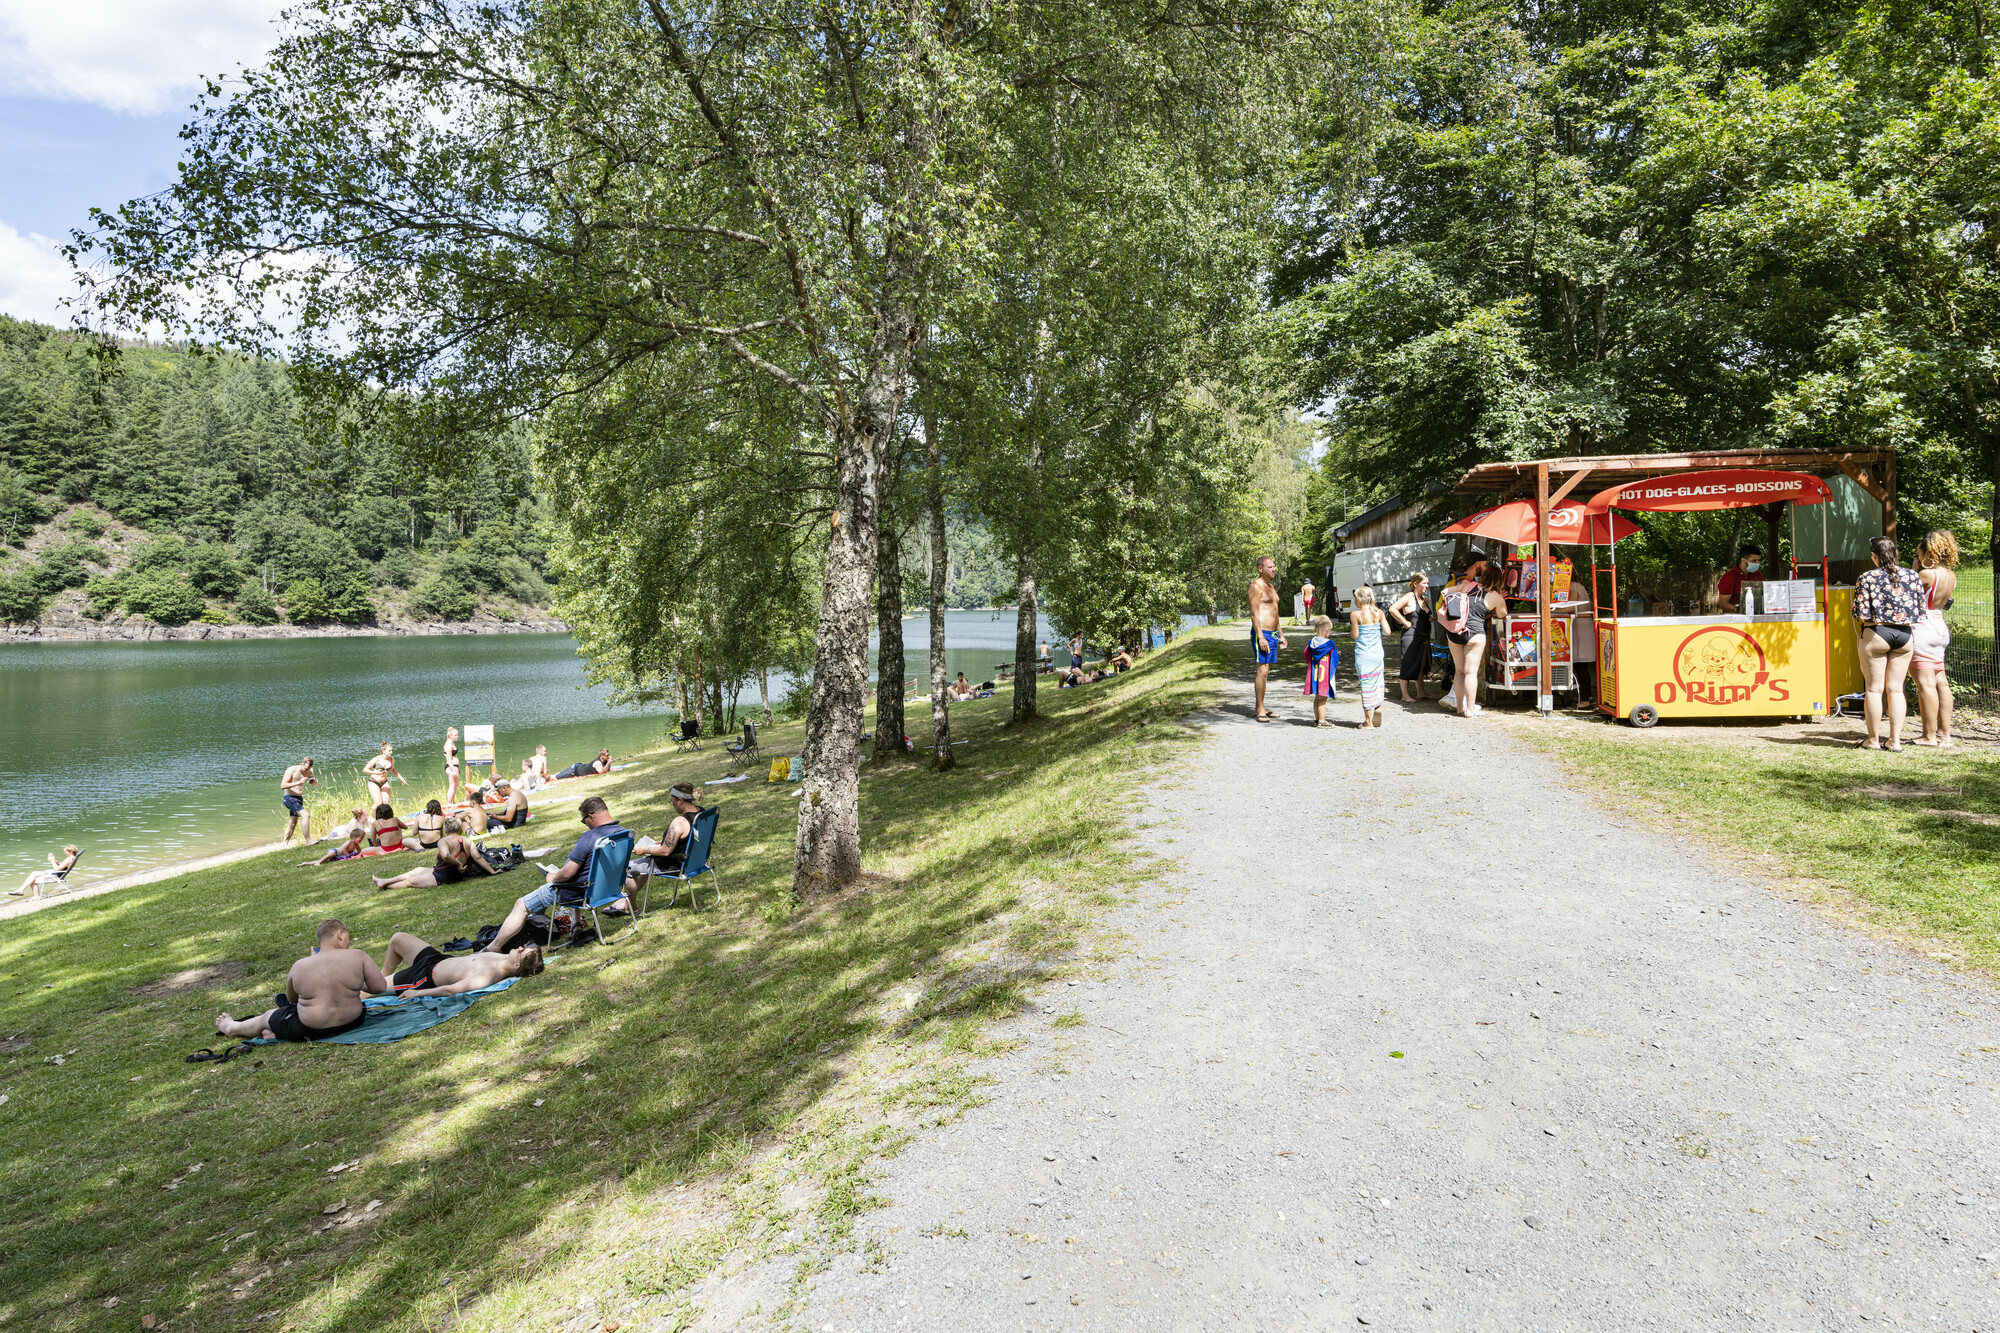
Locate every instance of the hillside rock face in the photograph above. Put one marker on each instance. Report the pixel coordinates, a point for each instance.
(66, 623)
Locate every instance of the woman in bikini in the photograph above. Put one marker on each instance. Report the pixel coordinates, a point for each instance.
(1937, 570)
(387, 831)
(378, 771)
(455, 860)
(451, 763)
(429, 826)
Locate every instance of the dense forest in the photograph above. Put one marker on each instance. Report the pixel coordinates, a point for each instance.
(181, 487)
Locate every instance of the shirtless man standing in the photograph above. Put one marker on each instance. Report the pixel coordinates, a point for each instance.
(1265, 636)
(292, 789)
(322, 994)
(427, 971)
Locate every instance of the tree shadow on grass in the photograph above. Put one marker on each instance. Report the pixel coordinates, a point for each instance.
(656, 1060)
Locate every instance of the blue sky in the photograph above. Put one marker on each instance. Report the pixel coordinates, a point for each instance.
(92, 97)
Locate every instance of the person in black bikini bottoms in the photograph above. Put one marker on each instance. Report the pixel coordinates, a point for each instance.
(428, 971)
(456, 857)
(322, 996)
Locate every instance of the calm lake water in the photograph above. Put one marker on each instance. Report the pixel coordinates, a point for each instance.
(147, 754)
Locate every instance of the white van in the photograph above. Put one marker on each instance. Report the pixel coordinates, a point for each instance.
(1388, 568)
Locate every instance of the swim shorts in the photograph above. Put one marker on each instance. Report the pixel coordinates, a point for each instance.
(1266, 643)
(417, 976)
(286, 1026)
(295, 804)
(446, 872)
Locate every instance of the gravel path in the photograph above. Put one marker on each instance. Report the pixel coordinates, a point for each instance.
(1633, 1090)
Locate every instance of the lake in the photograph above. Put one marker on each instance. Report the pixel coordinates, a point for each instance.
(146, 754)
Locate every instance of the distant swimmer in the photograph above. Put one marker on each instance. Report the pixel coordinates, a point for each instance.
(451, 764)
(378, 771)
(292, 790)
(426, 970)
(322, 995)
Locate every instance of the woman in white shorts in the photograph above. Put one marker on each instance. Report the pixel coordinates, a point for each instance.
(1937, 565)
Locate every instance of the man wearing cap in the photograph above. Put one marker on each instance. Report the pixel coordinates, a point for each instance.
(670, 852)
(1749, 568)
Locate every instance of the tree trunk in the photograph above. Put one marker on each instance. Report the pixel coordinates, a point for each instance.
(941, 757)
(1024, 633)
(764, 693)
(889, 654)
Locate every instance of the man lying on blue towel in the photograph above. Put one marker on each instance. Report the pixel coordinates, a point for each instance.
(428, 971)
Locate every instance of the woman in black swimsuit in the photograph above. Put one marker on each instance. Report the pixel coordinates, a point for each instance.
(455, 860)
(430, 825)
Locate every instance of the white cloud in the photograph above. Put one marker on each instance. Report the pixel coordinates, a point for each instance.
(142, 56)
(34, 278)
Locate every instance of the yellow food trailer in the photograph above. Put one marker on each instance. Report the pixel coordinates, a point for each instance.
(1788, 651)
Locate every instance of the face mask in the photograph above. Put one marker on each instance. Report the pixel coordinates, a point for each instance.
(1752, 566)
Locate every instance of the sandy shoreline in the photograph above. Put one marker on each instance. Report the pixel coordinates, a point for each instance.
(12, 907)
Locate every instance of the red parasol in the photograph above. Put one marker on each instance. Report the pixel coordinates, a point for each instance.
(1514, 525)
(1722, 488)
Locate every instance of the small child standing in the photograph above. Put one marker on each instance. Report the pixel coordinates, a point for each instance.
(1322, 656)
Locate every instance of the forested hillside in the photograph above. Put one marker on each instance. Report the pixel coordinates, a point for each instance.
(181, 487)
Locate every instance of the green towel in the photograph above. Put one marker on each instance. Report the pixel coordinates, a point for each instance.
(392, 1019)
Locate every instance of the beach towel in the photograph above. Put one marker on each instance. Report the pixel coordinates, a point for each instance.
(724, 782)
(392, 1019)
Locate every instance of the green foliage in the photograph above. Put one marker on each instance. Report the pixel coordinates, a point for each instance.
(254, 606)
(212, 570)
(396, 570)
(306, 603)
(101, 596)
(351, 604)
(1620, 229)
(21, 599)
(377, 524)
(440, 598)
(20, 509)
(84, 523)
(160, 593)
(62, 566)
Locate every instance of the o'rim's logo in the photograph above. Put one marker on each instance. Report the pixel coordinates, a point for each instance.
(1717, 666)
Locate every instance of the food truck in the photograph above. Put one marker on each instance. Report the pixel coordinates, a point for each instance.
(1788, 651)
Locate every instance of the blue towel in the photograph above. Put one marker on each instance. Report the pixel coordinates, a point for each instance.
(391, 1019)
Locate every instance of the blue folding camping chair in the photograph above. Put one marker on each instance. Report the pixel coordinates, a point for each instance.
(608, 860)
(701, 840)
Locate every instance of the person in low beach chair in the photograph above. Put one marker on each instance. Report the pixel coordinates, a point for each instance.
(322, 993)
(429, 971)
(568, 882)
(57, 872)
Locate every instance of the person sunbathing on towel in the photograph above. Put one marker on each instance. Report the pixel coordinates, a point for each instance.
(428, 971)
(322, 993)
(356, 845)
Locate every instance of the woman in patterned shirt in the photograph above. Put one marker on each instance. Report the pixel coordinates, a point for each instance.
(1888, 600)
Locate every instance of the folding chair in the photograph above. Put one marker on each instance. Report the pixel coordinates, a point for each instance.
(690, 737)
(608, 861)
(701, 840)
(746, 747)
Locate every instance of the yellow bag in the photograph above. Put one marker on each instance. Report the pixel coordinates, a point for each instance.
(781, 769)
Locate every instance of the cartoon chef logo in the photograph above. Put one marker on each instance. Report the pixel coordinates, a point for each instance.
(1720, 665)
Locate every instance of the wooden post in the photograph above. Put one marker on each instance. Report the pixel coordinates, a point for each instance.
(1544, 670)
(1889, 496)
(1771, 514)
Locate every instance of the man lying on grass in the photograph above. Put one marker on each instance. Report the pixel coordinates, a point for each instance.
(322, 993)
(428, 971)
(567, 883)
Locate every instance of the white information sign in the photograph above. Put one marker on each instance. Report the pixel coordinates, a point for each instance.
(1788, 597)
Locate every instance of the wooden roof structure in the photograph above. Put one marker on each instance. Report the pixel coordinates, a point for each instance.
(1874, 470)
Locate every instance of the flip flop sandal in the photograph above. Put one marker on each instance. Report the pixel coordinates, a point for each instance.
(203, 1056)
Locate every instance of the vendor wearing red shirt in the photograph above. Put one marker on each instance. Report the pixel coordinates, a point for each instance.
(1749, 568)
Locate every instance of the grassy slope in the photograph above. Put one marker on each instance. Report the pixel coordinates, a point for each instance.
(757, 1058)
(1797, 810)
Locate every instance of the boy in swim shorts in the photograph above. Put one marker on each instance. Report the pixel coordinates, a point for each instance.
(322, 995)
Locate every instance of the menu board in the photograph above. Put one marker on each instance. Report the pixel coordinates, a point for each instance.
(1521, 578)
(1786, 597)
(479, 746)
